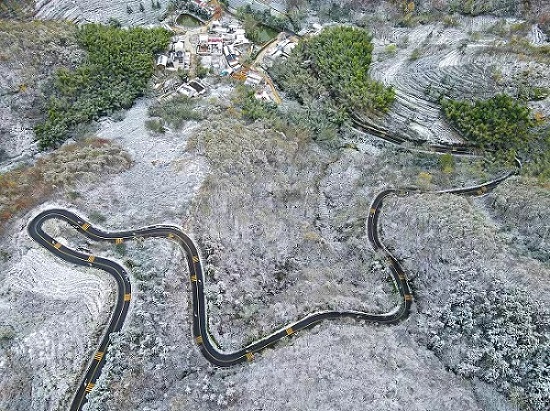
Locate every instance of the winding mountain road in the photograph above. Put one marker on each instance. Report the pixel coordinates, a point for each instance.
(206, 343)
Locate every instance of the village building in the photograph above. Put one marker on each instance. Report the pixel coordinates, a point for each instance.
(194, 88)
(162, 61)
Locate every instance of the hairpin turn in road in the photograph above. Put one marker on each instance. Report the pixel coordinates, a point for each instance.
(204, 340)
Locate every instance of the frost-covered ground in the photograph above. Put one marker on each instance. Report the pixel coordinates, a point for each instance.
(523, 208)
(29, 54)
(482, 307)
(54, 311)
(56, 308)
(280, 222)
(313, 254)
(127, 12)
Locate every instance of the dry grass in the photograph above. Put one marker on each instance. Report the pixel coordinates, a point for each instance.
(40, 36)
(25, 187)
(16, 9)
(30, 52)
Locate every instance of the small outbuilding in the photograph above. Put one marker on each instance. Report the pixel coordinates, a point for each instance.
(162, 61)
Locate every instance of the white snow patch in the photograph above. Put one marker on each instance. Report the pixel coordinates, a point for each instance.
(45, 275)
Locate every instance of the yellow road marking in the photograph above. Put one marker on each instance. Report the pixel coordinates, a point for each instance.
(91, 259)
(85, 226)
(119, 241)
(408, 297)
(57, 245)
(89, 387)
(127, 297)
(170, 235)
(249, 356)
(194, 278)
(195, 259)
(199, 339)
(289, 331)
(373, 210)
(98, 356)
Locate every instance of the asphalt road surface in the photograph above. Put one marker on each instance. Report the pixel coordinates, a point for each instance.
(203, 339)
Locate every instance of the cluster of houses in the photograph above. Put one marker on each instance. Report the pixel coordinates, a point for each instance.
(221, 48)
(177, 58)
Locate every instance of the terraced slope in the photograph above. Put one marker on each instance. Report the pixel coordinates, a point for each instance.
(433, 61)
(98, 11)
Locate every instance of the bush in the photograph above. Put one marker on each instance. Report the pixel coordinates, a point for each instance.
(116, 72)
(202, 71)
(391, 49)
(415, 55)
(154, 125)
(252, 108)
(174, 113)
(447, 163)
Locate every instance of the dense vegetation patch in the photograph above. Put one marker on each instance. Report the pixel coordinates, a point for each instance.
(320, 121)
(257, 24)
(499, 123)
(335, 63)
(115, 72)
(505, 126)
(252, 108)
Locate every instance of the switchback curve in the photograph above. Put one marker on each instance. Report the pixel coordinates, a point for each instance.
(204, 340)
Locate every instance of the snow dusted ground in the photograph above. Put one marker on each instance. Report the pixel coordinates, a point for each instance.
(57, 330)
(56, 312)
(523, 210)
(154, 363)
(92, 11)
(291, 217)
(482, 305)
(160, 185)
(350, 367)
